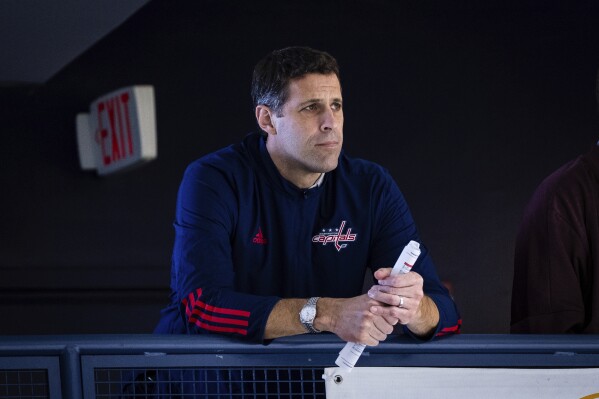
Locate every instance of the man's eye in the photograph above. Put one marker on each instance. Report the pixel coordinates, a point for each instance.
(336, 106)
(311, 107)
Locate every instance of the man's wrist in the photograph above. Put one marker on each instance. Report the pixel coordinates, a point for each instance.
(426, 319)
(326, 310)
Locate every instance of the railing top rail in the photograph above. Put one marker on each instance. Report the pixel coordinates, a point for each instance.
(322, 343)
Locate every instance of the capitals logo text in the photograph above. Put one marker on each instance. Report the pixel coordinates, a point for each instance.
(335, 236)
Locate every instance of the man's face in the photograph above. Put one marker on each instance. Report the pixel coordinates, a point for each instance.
(307, 135)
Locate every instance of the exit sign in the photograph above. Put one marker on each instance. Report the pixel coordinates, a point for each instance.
(119, 132)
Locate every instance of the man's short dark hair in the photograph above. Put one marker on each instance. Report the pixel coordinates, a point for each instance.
(272, 74)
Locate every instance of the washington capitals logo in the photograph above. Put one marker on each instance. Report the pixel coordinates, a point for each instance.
(335, 236)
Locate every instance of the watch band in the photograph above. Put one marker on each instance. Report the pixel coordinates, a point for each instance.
(308, 314)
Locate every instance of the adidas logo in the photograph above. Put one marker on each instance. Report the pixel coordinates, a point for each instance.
(259, 238)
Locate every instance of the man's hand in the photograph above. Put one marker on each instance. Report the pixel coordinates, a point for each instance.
(352, 319)
(407, 303)
(364, 319)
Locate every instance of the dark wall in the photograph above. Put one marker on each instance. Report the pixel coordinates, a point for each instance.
(469, 107)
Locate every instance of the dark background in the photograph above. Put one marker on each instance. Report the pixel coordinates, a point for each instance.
(468, 105)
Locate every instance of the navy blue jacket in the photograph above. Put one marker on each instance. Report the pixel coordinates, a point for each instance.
(246, 237)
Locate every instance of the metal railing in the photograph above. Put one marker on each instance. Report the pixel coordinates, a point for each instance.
(152, 366)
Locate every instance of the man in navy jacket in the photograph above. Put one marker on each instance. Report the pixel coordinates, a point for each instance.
(274, 235)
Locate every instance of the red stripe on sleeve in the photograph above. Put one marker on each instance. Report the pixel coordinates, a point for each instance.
(450, 330)
(224, 320)
(209, 327)
(233, 312)
(193, 303)
(195, 311)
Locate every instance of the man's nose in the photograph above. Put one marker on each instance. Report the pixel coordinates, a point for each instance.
(330, 120)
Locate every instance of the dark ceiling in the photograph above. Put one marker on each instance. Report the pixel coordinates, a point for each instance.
(39, 37)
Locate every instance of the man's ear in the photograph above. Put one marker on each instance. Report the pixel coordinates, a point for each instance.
(264, 118)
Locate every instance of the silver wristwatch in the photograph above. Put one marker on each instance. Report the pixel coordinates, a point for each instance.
(308, 314)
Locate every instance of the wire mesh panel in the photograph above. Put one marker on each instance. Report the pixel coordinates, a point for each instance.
(30, 377)
(24, 384)
(171, 383)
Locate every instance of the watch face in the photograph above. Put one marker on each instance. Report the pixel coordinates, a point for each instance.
(307, 314)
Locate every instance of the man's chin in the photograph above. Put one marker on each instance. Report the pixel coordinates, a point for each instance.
(329, 168)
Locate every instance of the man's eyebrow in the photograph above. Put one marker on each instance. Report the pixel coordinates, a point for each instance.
(319, 100)
(311, 100)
